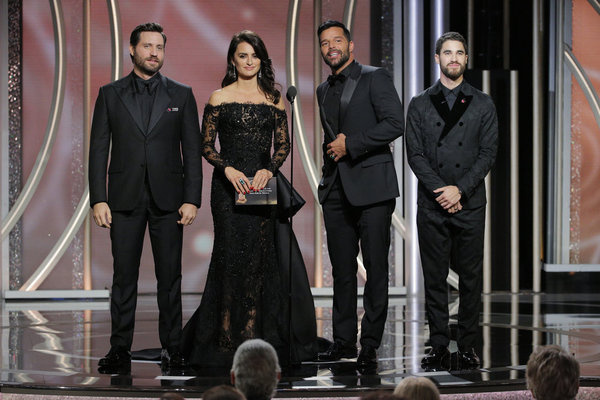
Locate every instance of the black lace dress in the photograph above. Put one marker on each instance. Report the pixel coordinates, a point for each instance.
(244, 295)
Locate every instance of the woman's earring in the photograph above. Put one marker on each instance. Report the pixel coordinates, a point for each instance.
(235, 72)
(259, 74)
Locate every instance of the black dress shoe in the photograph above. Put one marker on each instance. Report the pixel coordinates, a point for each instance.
(437, 356)
(172, 360)
(338, 351)
(117, 361)
(367, 357)
(467, 359)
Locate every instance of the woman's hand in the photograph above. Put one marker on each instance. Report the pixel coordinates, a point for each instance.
(237, 178)
(261, 178)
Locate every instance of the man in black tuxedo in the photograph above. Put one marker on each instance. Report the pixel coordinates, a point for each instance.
(361, 115)
(154, 179)
(451, 143)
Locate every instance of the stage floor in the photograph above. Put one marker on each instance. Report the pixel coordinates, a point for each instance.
(54, 346)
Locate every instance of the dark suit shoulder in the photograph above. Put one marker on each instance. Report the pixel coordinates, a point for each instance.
(423, 96)
(122, 82)
(174, 83)
(481, 98)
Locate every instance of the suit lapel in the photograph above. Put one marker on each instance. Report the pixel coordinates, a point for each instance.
(326, 127)
(450, 117)
(127, 93)
(161, 101)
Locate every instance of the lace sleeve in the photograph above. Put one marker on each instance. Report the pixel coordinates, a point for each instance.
(281, 140)
(210, 127)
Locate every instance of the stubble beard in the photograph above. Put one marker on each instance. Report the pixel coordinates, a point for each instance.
(139, 63)
(453, 74)
(344, 57)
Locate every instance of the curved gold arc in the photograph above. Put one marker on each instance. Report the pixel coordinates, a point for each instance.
(51, 128)
(81, 212)
(115, 35)
(584, 82)
(292, 80)
(349, 9)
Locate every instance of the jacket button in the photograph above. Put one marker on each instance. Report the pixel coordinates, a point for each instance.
(457, 165)
(439, 144)
(440, 165)
(439, 124)
(460, 123)
(460, 143)
(142, 165)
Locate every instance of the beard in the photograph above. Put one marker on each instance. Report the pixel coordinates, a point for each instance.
(146, 69)
(344, 57)
(454, 73)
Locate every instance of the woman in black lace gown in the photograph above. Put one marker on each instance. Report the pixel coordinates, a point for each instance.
(245, 296)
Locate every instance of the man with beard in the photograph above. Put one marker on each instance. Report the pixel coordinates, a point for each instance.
(155, 179)
(361, 115)
(451, 143)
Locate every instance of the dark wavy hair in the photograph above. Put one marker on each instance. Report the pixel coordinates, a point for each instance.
(134, 39)
(330, 23)
(266, 80)
(450, 36)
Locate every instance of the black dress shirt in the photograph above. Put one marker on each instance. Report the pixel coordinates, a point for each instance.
(451, 94)
(334, 95)
(145, 91)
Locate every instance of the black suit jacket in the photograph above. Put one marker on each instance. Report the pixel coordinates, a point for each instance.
(455, 147)
(168, 152)
(371, 117)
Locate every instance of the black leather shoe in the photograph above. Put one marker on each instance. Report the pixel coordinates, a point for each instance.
(338, 351)
(437, 356)
(172, 360)
(367, 357)
(467, 359)
(117, 361)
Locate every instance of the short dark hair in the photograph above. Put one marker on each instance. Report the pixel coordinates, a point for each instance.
(552, 373)
(134, 39)
(332, 24)
(450, 36)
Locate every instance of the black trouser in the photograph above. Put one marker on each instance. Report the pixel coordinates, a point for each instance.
(346, 225)
(456, 239)
(127, 236)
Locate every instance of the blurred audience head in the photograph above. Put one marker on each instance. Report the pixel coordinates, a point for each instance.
(552, 373)
(417, 388)
(171, 396)
(255, 370)
(223, 392)
(381, 395)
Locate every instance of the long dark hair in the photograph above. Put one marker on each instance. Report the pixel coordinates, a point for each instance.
(266, 76)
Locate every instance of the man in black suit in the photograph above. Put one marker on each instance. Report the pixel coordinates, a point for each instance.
(451, 143)
(361, 115)
(155, 179)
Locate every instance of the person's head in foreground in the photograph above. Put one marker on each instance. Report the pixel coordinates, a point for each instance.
(417, 388)
(552, 374)
(255, 370)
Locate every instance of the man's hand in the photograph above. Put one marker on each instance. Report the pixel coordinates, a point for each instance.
(188, 214)
(337, 148)
(101, 214)
(449, 196)
(455, 208)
